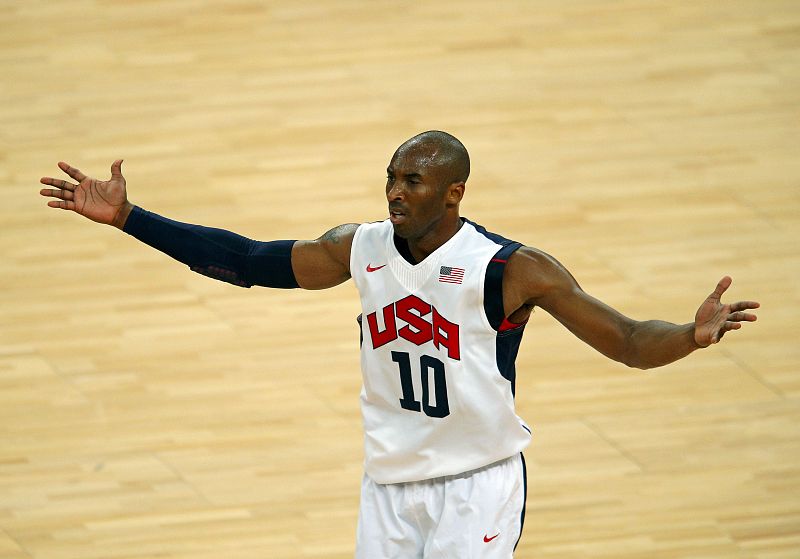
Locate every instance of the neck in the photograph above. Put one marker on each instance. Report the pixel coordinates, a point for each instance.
(422, 247)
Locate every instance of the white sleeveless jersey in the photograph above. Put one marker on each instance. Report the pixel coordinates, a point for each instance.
(437, 355)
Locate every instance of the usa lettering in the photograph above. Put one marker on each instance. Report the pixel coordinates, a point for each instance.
(401, 320)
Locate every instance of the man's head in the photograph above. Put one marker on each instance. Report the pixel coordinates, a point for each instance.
(425, 183)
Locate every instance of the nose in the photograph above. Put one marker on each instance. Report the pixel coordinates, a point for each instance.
(395, 191)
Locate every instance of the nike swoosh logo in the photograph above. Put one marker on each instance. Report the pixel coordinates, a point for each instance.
(487, 540)
(371, 269)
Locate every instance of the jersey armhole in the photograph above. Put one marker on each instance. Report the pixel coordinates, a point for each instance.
(493, 289)
(354, 254)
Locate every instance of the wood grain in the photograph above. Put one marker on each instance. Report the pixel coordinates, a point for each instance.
(146, 411)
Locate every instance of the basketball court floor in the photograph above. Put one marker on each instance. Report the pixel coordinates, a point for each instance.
(652, 147)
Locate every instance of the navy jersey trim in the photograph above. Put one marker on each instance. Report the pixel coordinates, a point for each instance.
(524, 498)
(493, 285)
(499, 239)
(493, 282)
(507, 347)
(508, 339)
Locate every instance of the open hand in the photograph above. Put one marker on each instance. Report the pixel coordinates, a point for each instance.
(101, 201)
(714, 318)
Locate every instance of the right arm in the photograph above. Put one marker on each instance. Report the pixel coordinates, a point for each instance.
(222, 255)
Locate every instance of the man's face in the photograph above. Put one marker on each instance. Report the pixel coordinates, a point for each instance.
(415, 192)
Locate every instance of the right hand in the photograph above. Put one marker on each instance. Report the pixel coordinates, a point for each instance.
(101, 201)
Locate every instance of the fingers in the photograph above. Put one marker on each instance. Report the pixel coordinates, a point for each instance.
(71, 171)
(742, 305)
(733, 322)
(62, 204)
(722, 287)
(58, 183)
(742, 316)
(63, 194)
(116, 169)
(730, 326)
(727, 327)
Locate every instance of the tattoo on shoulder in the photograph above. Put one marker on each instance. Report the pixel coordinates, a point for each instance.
(338, 234)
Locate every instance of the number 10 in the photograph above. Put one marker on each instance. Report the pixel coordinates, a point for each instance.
(426, 363)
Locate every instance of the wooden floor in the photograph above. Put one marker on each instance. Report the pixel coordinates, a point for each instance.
(651, 146)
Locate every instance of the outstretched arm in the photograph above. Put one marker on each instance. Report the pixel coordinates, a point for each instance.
(537, 279)
(216, 253)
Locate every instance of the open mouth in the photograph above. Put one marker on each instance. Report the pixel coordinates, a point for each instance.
(396, 216)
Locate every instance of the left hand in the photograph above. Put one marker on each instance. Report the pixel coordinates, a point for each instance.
(714, 318)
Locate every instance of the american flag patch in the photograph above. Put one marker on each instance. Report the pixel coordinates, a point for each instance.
(448, 274)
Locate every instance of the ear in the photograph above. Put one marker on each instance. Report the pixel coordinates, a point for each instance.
(455, 192)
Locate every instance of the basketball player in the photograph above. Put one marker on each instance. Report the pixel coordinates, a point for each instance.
(444, 306)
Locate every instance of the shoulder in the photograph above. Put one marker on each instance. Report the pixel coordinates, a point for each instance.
(338, 241)
(340, 235)
(335, 243)
(530, 259)
(532, 274)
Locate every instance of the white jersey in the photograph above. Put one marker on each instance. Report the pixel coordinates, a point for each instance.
(437, 355)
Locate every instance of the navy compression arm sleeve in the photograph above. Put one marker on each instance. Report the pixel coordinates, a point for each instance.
(216, 253)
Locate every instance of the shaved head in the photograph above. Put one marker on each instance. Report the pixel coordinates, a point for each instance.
(425, 182)
(441, 151)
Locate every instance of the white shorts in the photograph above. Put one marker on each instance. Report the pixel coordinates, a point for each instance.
(478, 514)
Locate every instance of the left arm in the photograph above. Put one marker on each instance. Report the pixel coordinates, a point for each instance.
(533, 278)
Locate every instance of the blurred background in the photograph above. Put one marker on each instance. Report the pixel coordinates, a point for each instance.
(651, 146)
